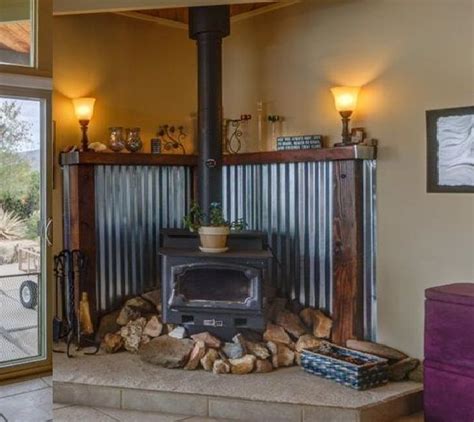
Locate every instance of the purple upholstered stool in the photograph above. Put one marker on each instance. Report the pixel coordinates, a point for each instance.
(449, 353)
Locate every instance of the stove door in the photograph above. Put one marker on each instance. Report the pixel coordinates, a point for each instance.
(215, 285)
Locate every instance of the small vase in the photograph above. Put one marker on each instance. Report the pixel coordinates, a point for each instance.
(116, 139)
(134, 142)
(214, 239)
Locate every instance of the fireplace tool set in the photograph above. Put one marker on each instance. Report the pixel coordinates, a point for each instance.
(69, 268)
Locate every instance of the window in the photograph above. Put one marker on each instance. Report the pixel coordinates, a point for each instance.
(17, 32)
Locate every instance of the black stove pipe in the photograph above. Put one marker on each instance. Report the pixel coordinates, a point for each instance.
(208, 25)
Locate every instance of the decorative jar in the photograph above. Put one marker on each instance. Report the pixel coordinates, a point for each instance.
(116, 139)
(134, 142)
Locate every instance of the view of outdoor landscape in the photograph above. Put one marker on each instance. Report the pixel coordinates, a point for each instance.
(19, 228)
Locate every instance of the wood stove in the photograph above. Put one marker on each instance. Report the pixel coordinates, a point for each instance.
(221, 293)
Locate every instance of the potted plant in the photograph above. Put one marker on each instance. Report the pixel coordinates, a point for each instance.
(214, 234)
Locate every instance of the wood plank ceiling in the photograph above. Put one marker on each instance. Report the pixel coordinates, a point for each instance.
(180, 14)
(15, 36)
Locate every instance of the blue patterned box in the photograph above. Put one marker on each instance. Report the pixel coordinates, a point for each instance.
(370, 372)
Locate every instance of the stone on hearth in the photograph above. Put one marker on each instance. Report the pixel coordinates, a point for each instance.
(243, 365)
(240, 339)
(179, 332)
(307, 341)
(295, 306)
(276, 334)
(307, 315)
(257, 349)
(376, 349)
(132, 334)
(169, 328)
(282, 355)
(207, 361)
(399, 370)
(233, 350)
(133, 309)
(220, 367)
(144, 340)
(197, 354)
(291, 323)
(417, 373)
(153, 327)
(153, 296)
(276, 305)
(167, 351)
(208, 339)
(263, 366)
(298, 358)
(112, 342)
(108, 324)
(322, 325)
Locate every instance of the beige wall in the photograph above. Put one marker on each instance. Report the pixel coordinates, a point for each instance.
(142, 74)
(411, 56)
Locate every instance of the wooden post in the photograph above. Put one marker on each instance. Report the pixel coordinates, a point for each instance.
(348, 251)
(82, 235)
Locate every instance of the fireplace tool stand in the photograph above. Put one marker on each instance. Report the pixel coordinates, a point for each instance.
(69, 267)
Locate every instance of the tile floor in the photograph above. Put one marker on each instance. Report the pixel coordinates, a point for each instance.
(27, 401)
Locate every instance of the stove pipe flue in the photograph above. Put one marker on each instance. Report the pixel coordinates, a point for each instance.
(208, 25)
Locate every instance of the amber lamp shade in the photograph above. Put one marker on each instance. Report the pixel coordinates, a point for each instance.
(345, 100)
(84, 109)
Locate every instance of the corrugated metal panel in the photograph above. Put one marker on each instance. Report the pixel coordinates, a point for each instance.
(292, 203)
(132, 204)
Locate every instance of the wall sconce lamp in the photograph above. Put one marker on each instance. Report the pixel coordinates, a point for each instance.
(345, 99)
(84, 109)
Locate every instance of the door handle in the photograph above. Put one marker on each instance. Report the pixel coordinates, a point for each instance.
(47, 228)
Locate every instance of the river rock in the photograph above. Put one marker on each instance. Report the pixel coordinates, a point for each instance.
(417, 374)
(257, 349)
(399, 370)
(322, 325)
(277, 305)
(282, 355)
(207, 361)
(154, 297)
(108, 324)
(197, 354)
(167, 351)
(112, 342)
(132, 334)
(242, 365)
(208, 339)
(233, 350)
(376, 349)
(307, 341)
(179, 332)
(220, 367)
(263, 366)
(291, 323)
(276, 334)
(133, 309)
(153, 327)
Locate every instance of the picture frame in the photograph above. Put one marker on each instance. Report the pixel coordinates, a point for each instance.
(450, 150)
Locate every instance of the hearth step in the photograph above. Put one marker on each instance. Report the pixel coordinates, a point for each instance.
(122, 381)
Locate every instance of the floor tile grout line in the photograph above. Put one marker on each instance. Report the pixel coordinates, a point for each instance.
(25, 392)
(106, 414)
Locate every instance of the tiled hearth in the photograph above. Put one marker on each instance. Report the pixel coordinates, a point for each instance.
(123, 381)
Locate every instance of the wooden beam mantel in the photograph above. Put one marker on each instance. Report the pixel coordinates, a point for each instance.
(358, 152)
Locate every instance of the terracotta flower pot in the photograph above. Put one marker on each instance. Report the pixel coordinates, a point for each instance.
(214, 239)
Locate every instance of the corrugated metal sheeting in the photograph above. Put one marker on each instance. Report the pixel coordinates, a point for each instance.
(132, 204)
(290, 202)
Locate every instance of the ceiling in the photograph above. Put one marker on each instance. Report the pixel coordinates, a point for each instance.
(15, 36)
(180, 14)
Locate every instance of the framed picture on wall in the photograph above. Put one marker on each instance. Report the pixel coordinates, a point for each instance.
(450, 148)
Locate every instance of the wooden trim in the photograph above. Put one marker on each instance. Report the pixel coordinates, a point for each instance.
(82, 231)
(125, 159)
(348, 252)
(358, 152)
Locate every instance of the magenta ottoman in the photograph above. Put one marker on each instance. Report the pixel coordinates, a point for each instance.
(449, 353)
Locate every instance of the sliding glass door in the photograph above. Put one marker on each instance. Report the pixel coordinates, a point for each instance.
(24, 227)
